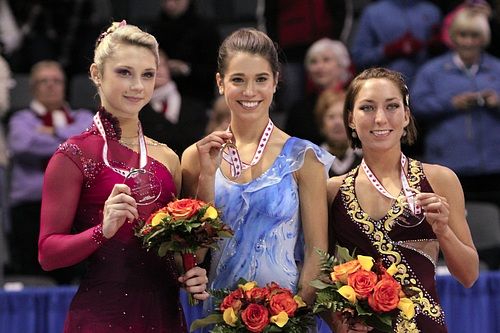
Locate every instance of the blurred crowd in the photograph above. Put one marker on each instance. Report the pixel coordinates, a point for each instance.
(448, 51)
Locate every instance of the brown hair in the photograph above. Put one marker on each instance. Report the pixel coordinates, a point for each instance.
(248, 40)
(325, 100)
(353, 91)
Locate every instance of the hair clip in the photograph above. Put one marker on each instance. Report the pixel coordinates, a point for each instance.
(109, 31)
(101, 37)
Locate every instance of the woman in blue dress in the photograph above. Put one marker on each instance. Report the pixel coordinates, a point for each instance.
(270, 186)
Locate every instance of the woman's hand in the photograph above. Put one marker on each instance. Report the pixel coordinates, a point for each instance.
(342, 325)
(437, 211)
(195, 281)
(118, 208)
(209, 150)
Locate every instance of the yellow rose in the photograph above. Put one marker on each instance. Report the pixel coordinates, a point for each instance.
(248, 286)
(299, 301)
(392, 269)
(230, 317)
(348, 293)
(157, 218)
(407, 307)
(366, 262)
(280, 319)
(210, 213)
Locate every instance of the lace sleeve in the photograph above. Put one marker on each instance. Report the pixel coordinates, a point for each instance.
(57, 247)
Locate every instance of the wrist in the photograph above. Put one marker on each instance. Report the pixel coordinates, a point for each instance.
(98, 235)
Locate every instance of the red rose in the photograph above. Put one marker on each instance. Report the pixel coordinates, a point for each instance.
(362, 282)
(231, 300)
(275, 288)
(257, 294)
(255, 317)
(283, 302)
(385, 295)
(184, 208)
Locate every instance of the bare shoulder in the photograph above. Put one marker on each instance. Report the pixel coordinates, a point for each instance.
(440, 177)
(333, 185)
(189, 155)
(163, 154)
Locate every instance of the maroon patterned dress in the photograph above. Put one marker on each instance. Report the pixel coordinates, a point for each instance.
(413, 250)
(126, 288)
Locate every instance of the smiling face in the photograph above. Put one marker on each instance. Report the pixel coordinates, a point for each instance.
(379, 115)
(248, 85)
(127, 80)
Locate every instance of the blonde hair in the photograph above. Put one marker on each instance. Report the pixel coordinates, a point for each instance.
(122, 33)
(470, 19)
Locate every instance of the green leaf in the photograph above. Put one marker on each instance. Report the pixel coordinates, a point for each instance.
(343, 254)
(380, 322)
(318, 284)
(208, 320)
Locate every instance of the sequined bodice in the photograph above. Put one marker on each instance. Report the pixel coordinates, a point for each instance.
(413, 250)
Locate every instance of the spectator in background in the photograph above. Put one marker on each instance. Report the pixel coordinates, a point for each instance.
(5, 85)
(33, 136)
(329, 115)
(191, 43)
(295, 25)
(396, 34)
(328, 66)
(457, 96)
(172, 118)
(220, 116)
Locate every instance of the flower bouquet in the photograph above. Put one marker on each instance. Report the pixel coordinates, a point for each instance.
(251, 308)
(362, 290)
(184, 226)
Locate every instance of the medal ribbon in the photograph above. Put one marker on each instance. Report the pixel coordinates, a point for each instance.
(143, 154)
(409, 194)
(232, 157)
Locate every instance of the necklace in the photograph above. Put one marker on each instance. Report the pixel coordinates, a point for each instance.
(232, 157)
(143, 154)
(407, 190)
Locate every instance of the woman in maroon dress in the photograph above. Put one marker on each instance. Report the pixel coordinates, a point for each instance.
(397, 209)
(91, 204)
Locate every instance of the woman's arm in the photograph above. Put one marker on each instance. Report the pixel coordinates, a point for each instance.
(311, 179)
(57, 246)
(445, 212)
(199, 164)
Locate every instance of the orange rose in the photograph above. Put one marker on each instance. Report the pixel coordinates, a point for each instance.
(362, 282)
(232, 300)
(275, 288)
(340, 272)
(385, 295)
(283, 302)
(255, 317)
(257, 294)
(184, 208)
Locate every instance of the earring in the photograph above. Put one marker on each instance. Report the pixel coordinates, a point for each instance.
(221, 91)
(404, 133)
(354, 134)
